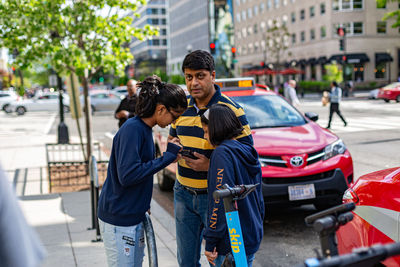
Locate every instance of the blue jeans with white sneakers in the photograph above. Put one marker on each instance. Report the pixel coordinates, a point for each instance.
(124, 245)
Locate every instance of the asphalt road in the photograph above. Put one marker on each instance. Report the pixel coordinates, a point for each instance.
(372, 136)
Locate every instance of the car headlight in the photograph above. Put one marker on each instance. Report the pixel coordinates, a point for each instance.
(336, 148)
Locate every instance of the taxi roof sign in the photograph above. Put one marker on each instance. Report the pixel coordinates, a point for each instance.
(236, 84)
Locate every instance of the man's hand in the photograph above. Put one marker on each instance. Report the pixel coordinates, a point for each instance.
(211, 256)
(122, 114)
(200, 164)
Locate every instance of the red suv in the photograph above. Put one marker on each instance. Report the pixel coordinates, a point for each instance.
(301, 162)
(390, 92)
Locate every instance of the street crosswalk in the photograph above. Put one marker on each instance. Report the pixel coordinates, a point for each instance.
(30, 123)
(361, 124)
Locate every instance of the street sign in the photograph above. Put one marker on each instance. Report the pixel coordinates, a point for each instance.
(53, 80)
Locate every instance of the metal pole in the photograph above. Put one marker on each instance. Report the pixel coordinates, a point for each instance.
(63, 136)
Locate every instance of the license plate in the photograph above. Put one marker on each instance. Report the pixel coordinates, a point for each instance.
(298, 192)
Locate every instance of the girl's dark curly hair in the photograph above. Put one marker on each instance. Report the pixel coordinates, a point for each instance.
(153, 91)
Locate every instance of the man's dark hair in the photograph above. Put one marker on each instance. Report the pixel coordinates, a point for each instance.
(198, 60)
(222, 124)
(153, 91)
(335, 84)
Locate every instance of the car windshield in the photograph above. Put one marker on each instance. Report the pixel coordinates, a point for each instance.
(266, 111)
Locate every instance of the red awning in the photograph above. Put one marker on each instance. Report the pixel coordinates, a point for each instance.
(290, 71)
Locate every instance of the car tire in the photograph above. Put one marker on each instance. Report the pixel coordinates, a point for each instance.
(398, 99)
(20, 110)
(165, 183)
(386, 100)
(66, 109)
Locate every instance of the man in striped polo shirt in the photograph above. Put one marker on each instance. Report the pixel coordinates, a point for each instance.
(190, 190)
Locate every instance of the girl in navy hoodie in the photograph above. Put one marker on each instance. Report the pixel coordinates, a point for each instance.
(127, 191)
(232, 163)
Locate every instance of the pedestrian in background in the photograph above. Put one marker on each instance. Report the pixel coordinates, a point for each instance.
(291, 94)
(126, 108)
(190, 190)
(19, 243)
(128, 188)
(232, 163)
(335, 97)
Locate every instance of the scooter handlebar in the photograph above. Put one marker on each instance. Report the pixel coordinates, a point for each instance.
(238, 191)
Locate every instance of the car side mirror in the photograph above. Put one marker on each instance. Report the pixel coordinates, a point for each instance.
(311, 115)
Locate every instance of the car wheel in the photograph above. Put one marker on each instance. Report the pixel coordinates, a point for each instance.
(165, 183)
(66, 109)
(398, 99)
(20, 110)
(6, 108)
(386, 100)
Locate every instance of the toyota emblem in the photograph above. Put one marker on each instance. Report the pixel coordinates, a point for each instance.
(296, 161)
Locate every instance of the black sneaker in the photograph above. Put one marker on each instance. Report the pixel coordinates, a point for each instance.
(345, 124)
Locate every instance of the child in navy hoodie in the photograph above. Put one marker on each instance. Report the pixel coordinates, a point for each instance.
(127, 191)
(232, 163)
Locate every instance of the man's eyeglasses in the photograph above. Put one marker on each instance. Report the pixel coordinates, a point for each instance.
(174, 117)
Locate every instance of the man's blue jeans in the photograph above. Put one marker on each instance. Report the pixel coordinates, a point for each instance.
(124, 245)
(191, 218)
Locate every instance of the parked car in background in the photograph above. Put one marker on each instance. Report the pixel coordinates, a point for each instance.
(301, 162)
(6, 97)
(377, 213)
(390, 92)
(104, 100)
(120, 90)
(373, 94)
(48, 101)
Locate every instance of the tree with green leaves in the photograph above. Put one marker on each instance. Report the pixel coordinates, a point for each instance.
(277, 41)
(394, 14)
(78, 36)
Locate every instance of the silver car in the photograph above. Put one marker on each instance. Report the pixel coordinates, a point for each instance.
(104, 100)
(6, 97)
(44, 102)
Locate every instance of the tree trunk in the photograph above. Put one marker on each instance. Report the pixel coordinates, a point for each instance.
(88, 118)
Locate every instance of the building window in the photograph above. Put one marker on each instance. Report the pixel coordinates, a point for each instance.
(293, 38)
(380, 4)
(380, 70)
(339, 5)
(302, 36)
(262, 7)
(255, 10)
(154, 21)
(255, 29)
(284, 2)
(237, 17)
(163, 11)
(238, 2)
(312, 12)
(323, 32)
(322, 8)
(249, 13)
(357, 28)
(243, 15)
(164, 41)
(249, 30)
(164, 32)
(164, 21)
(269, 4)
(293, 17)
(381, 27)
(358, 72)
(312, 34)
(156, 42)
(276, 3)
(302, 14)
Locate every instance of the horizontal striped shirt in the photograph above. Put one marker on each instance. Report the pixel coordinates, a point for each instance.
(188, 129)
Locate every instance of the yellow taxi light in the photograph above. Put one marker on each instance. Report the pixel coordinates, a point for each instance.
(246, 83)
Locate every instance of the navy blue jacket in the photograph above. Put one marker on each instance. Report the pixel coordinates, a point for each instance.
(234, 163)
(127, 191)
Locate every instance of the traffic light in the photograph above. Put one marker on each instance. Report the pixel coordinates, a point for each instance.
(101, 79)
(233, 49)
(212, 48)
(341, 32)
(341, 45)
(13, 69)
(344, 59)
(262, 64)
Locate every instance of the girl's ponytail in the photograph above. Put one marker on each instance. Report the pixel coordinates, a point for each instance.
(153, 91)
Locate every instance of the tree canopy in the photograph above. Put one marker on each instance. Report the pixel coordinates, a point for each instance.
(75, 35)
